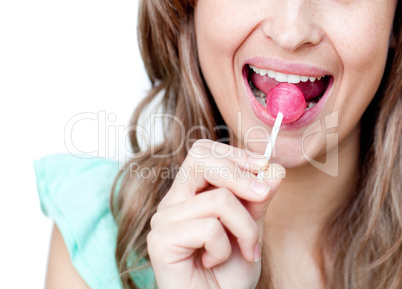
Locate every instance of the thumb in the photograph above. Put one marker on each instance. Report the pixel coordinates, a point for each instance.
(273, 176)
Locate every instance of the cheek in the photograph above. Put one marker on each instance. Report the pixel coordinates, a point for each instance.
(361, 40)
(220, 28)
(361, 36)
(220, 31)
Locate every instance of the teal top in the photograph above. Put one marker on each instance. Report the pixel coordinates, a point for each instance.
(74, 192)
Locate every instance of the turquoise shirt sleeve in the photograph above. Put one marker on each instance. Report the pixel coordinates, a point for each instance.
(75, 193)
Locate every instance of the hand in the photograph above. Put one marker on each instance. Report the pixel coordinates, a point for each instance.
(208, 229)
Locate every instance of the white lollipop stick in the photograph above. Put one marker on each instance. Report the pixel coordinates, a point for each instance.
(271, 141)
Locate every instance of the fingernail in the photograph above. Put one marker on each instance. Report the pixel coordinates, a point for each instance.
(259, 188)
(260, 162)
(257, 253)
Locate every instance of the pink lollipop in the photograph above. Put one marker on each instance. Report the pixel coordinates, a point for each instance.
(288, 99)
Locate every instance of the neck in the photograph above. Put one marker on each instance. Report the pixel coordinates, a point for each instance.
(308, 195)
(299, 210)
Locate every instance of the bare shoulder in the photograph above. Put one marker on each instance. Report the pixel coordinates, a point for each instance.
(61, 273)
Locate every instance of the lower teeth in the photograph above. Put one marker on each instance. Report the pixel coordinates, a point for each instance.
(310, 105)
(259, 95)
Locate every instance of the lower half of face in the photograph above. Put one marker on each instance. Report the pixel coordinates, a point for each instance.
(334, 52)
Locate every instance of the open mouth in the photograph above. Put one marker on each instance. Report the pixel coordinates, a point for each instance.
(261, 81)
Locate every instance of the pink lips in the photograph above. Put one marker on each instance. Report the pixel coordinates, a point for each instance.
(307, 117)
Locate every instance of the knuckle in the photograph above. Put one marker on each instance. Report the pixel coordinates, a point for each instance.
(201, 148)
(154, 221)
(155, 247)
(151, 244)
(198, 149)
(165, 201)
(224, 253)
(212, 228)
(222, 197)
(202, 142)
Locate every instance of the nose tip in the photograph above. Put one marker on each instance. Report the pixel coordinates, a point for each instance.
(291, 28)
(291, 37)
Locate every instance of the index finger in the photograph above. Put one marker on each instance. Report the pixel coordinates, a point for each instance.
(245, 159)
(203, 168)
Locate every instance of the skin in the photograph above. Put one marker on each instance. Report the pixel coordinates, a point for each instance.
(347, 38)
(61, 272)
(350, 40)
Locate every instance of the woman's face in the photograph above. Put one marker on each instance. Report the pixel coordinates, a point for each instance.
(338, 46)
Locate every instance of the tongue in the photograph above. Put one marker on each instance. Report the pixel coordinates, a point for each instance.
(288, 99)
(309, 89)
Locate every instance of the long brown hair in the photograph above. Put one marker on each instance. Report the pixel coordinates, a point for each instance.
(362, 247)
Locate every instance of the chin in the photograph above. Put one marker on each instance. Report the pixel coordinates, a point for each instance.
(290, 161)
(287, 153)
(295, 151)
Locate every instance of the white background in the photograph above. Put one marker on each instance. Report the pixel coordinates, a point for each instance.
(57, 59)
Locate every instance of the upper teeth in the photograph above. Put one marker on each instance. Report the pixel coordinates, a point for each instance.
(281, 77)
